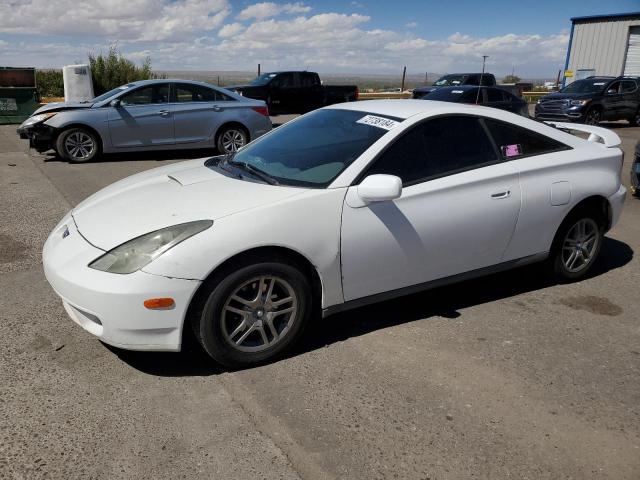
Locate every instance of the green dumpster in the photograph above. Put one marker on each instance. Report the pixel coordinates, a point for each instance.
(18, 94)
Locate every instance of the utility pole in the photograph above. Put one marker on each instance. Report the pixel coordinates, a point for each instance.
(484, 59)
(404, 73)
(258, 69)
(426, 78)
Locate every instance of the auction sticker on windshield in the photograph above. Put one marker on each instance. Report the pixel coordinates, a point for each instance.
(379, 122)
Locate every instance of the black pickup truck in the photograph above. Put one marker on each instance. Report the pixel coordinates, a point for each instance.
(456, 80)
(295, 92)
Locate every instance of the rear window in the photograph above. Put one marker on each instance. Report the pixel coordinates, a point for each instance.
(517, 142)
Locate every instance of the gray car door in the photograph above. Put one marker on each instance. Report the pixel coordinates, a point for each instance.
(198, 112)
(143, 118)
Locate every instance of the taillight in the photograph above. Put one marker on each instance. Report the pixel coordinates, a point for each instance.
(261, 110)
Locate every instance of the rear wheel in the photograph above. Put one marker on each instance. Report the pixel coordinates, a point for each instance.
(77, 145)
(577, 245)
(254, 314)
(635, 120)
(231, 139)
(593, 116)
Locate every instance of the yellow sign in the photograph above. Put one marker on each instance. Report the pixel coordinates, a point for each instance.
(568, 73)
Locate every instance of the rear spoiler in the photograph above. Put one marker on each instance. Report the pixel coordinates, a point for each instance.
(596, 134)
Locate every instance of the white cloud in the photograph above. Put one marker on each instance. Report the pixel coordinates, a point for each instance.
(231, 29)
(411, 25)
(269, 9)
(141, 20)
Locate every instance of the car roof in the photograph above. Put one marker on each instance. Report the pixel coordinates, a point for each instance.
(154, 81)
(408, 108)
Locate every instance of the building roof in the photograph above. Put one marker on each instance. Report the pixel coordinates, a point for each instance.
(611, 16)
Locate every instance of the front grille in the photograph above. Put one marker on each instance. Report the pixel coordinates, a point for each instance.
(553, 105)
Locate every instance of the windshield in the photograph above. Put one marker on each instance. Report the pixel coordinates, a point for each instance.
(314, 149)
(585, 86)
(263, 79)
(450, 80)
(111, 93)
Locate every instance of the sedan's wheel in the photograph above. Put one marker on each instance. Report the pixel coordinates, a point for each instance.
(231, 139)
(254, 314)
(593, 117)
(77, 145)
(577, 246)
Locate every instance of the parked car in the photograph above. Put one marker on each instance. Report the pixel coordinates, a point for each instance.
(635, 172)
(456, 80)
(488, 96)
(295, 92)
(147, 115)
(592, 100)
(345, 206)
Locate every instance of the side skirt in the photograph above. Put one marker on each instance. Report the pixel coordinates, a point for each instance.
(460, 277)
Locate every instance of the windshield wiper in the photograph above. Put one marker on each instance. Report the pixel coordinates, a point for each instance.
(256, 172)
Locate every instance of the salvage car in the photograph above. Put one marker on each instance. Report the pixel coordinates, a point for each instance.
(488, 96)
(456, 80)
(345, 206)
(147, 115)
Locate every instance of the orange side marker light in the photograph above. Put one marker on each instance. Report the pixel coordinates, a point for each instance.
(159, 303)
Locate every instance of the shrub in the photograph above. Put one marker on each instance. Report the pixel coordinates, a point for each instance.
(49, 83)
(112, 70)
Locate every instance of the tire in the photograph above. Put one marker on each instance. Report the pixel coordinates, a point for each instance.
(231, 138)
(78, 145)
(593, 116)
(635, 120)
(577, 245)
(240, 328)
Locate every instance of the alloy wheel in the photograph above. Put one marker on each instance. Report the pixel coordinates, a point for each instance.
(259, 313)
(593, 117)
(232, 140)
(79, 145)
(580, 244)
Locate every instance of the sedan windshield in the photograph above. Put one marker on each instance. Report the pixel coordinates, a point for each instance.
(111, 93)
(313, 150)
(585, 86)
(450, 80)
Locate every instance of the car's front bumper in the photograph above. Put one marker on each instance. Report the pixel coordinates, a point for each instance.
(41, 136)
(108, 305)
(559, 113)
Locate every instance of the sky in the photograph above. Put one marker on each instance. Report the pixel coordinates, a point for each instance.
(359, 36)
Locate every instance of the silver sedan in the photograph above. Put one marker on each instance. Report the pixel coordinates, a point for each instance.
(148, 115)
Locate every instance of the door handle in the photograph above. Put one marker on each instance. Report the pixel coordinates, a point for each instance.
(164, 113)
(217, 108)
(499, 195)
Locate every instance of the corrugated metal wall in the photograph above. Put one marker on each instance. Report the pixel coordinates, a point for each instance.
(601, 45)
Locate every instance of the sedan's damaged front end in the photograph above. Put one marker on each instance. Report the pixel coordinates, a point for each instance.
(41, 136)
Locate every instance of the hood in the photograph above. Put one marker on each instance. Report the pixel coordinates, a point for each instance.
(565, 96)
(158, 198)
(57, 106)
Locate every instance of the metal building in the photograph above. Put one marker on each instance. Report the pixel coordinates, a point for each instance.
(604, 45)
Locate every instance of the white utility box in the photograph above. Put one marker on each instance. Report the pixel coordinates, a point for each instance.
(77, 83)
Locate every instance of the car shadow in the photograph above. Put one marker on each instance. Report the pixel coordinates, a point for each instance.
(440, 302)
(157, 156)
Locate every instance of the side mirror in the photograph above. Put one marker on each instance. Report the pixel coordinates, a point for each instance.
(115, 103)
(612, 91)
(380, 188)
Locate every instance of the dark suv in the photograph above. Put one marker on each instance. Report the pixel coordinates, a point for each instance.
(592, 100)
(456, 80)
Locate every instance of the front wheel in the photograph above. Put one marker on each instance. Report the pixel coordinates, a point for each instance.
(593, 117)
(231, 139)
(577, 246)
(77, 145)
(254, 314)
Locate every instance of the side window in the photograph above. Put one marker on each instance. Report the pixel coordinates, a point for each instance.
(194, 93)
(307, 80)
(517, 142)
(494, 95)
(614, 88)
(221, 97)
(470, 96)
(628, 86)
(147, 95)
(285, 80)
(436, 148)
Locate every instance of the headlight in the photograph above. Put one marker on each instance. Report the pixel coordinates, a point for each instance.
(41, 117)
(135, 254)
(578, 103)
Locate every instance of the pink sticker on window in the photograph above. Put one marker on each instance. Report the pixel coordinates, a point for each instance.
(511, 150)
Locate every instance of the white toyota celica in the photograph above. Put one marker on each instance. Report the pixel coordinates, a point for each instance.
(344, 206)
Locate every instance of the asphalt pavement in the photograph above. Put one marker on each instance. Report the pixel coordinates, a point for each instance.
(509, 376)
